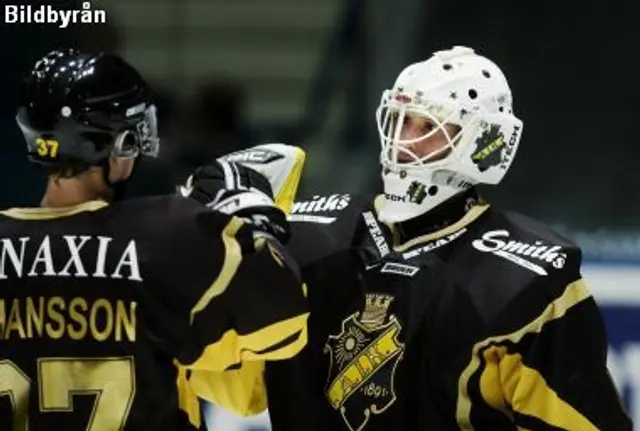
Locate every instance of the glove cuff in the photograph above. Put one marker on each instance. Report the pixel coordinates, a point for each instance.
(232, 201)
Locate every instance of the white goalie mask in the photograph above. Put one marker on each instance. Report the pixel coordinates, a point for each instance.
(465, 100)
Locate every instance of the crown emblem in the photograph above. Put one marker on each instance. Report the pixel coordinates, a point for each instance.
(375, 309)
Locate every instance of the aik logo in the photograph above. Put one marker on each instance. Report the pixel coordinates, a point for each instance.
(363, 360)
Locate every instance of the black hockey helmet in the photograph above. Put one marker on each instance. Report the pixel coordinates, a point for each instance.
(80, 108)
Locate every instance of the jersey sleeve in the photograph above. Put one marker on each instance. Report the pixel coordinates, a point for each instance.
(228, 294)
(544, 366)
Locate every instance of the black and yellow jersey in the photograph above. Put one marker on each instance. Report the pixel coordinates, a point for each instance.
(107, 310)
(485, 324)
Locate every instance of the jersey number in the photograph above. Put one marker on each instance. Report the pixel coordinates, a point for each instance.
(47, 147)
(111, 380)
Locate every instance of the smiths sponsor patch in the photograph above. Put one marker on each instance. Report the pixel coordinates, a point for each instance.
(319, 204)
(536, 257)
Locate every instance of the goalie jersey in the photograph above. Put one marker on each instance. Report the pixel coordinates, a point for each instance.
(485, 324)
(106, 311)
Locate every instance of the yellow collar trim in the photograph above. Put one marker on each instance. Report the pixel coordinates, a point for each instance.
(40, 213)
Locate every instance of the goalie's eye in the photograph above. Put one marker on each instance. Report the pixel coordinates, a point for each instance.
(416, 125)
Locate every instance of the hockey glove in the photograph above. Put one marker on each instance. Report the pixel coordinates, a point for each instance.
(234, 189)
(281, 164)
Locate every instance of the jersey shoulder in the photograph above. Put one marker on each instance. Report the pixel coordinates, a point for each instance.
(175, 217)
(507, 256)
(179, 235)
(538, 229)
(325, 224)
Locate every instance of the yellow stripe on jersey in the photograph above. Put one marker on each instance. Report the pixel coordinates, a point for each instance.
(542, 402)
(232, 348)
(232, 260)
(539, 400)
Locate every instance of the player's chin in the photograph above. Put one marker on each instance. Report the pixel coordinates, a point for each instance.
(404, 159)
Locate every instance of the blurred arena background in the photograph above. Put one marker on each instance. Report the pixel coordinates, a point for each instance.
(231, 73)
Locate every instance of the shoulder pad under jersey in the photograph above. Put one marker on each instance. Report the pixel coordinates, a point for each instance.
(507, 254)
(325, 224)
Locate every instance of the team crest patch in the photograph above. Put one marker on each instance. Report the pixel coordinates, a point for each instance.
(363, 360)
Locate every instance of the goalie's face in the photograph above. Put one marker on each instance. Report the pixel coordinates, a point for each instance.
(413, 135)
(424, 139)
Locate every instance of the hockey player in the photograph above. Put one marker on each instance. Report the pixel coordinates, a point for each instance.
(107, 306)
(430, 308)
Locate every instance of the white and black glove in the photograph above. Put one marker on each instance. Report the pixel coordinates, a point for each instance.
(238, 190)
(281, 164)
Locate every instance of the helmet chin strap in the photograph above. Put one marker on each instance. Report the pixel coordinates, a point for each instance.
(118, 188)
